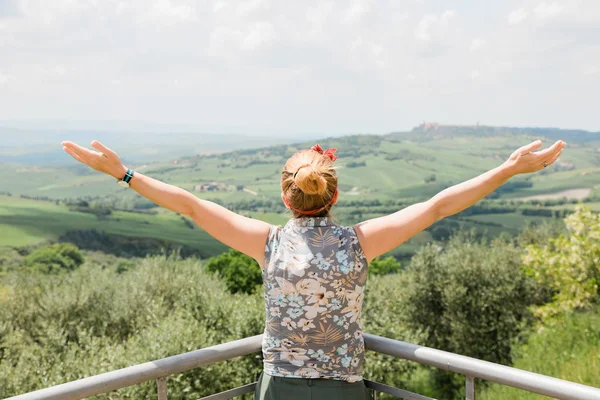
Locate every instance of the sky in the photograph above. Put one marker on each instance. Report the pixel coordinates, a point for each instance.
(312, 66)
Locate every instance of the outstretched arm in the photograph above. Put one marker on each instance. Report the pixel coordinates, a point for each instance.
(380, 235)
(244, 234)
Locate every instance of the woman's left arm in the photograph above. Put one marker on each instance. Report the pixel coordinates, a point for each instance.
(244, 234)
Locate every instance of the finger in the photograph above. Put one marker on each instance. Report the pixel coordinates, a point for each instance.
(73, 154)
(99, 146)
(550, 151)
(553, 158)
(82, 152)
(531, 146)
(75, 148)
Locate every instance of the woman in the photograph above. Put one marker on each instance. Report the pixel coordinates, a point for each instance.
(314, 270)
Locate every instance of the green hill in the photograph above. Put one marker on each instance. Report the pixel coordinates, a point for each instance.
(406, 165)
(378, 174)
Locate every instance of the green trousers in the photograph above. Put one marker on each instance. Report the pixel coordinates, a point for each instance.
(279, 388)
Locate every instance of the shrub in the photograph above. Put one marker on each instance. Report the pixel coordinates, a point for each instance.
(384, 266)
(240, 272)
(55, 258)
(60, 328)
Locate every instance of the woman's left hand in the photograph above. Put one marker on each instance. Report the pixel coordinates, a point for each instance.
(106, 160)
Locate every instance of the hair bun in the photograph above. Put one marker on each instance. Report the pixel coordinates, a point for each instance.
(310, 181)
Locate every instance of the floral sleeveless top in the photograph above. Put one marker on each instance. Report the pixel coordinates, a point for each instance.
(314, 275)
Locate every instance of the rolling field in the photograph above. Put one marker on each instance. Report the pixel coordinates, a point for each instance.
(29, 222)
(387, 167)
(26, 222)
(511, 221)
(405, 167)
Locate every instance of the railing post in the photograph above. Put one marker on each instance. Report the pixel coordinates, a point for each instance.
(161, 384)
(470, 386)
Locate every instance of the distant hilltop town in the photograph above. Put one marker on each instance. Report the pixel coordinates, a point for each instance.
(427, 126)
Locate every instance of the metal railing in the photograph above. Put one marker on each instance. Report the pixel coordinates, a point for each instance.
(471, 368)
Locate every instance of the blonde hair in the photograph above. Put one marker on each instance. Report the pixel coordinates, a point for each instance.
(308, 182)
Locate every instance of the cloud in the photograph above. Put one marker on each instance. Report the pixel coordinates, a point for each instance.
(477, 44)
(358, 9)
(261, 34)
(166, 13)
(342, 63)
(545, 11)
(249, 7)
(589, 69)
(433, 26)
(517, 16)
(4, 79)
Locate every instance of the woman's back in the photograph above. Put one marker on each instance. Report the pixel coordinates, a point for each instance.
(314, 275)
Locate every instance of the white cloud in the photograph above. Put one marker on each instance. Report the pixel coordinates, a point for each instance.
(432, 26)
(220, 6)
(157, 54)
(248, 7)
(261, 34)
(166, 13)
(224, 42)
(589, 69)
(545, 11)
(318, 18)
(4, 79)
(477, 44)
(517, 16)
(357, 10)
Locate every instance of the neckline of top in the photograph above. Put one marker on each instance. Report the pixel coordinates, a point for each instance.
(309, 222)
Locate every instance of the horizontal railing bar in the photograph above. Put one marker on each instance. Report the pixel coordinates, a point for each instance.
(468, 366)
(228, 394)
(473, 367)
(133, 375)
(394, 391)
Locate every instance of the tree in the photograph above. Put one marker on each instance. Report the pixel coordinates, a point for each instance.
(384, 266)
(55, 258)
(471, 299)
(568, 264)
(240, 272)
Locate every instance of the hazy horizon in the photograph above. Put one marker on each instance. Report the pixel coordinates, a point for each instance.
(146, 127)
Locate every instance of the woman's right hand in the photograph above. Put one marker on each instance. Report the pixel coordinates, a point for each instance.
(524, 161)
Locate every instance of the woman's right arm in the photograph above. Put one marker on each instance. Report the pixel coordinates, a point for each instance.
(379, 235)
(244, 234)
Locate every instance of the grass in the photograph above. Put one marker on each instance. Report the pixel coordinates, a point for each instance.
(569, 350)
(512, 221)
(452, 159)
(26, 222)
(592, 206)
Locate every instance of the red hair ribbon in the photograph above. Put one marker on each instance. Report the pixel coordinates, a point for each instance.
(311, 212)
(326, 153)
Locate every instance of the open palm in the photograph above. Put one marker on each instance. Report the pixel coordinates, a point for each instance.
(524, 160)
(106, 160)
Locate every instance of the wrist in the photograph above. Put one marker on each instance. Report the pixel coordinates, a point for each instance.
(119, 172)
(509, 169)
